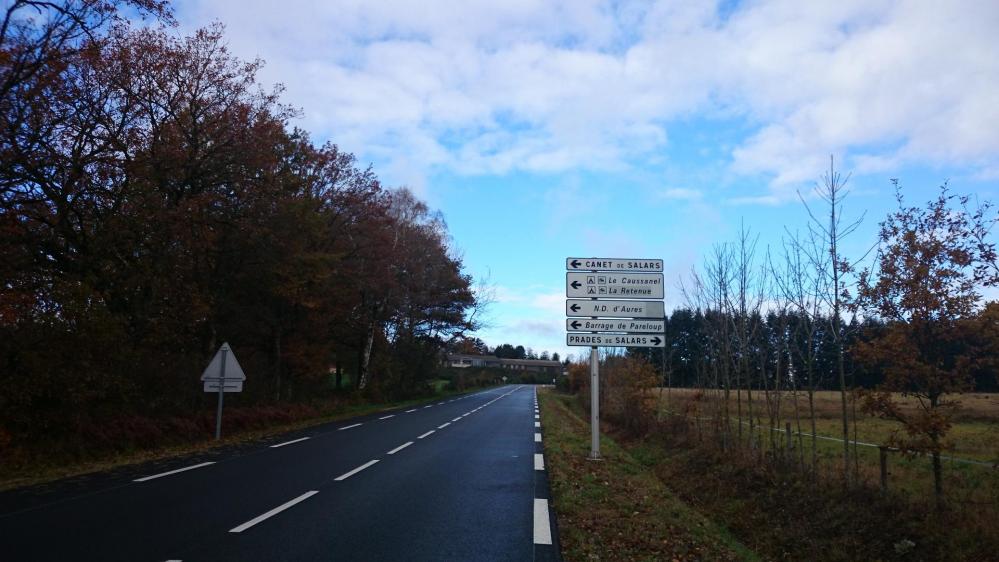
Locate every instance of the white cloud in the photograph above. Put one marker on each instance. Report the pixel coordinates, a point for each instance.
(493, 87)
(681, 194)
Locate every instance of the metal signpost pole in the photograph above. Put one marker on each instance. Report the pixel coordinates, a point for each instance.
(218, 414)
(594, 400)
(594, 404)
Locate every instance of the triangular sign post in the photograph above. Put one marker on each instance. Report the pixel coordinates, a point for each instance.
(223, 374)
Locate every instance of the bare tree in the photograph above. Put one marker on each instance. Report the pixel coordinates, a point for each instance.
(802, 287)
(719, 277)
(830, 229)
(748, 306)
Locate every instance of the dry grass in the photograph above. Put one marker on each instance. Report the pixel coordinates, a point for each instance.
(974, 436)
(616, 509)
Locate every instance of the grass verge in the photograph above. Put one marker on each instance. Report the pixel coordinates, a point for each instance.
(616, 508)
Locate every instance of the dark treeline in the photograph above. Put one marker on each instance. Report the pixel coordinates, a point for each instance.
(155, 202)
(783, 345)
(475, 346)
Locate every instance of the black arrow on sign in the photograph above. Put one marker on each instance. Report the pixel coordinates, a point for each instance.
(575, 324)
(575, 263)
(575, 284)
(656, 340)
(574, 307)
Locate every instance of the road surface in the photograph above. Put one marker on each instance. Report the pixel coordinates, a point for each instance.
(455, 479)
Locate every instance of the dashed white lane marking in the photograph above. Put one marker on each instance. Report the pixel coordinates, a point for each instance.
(425, 434)
(443, 425)
(537, 438)
(542, 530)
(162, 474)
(440, 403)
(456, 419)
(273, 512)
(539, 461)
(348, 426)
(400, 447)
(387, 417)
(411, 411)
(537, 424)
(537, 417)
(430, 406)
(347, 475)
(288, 442)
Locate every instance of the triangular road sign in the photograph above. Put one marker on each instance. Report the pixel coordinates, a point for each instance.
(233, 372)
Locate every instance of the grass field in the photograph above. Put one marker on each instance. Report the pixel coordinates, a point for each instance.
(974, 436)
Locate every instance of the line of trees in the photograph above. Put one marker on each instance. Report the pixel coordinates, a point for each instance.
(475, 346)
(155, 202)
(911, 323)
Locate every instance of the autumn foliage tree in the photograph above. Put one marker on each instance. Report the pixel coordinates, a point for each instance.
(155, 202)
(924, 287)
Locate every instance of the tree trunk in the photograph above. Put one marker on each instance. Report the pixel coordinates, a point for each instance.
(937, 477)
(369, 342)
(277, 365)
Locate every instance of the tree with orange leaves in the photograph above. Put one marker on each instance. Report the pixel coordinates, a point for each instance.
(924, 287)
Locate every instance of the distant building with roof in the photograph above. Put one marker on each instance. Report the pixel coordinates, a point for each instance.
(461, 360)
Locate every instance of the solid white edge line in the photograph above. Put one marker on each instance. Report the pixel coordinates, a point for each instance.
(426, 434)
(387, 417)
(542, 529)
(539, 461)
(288, 442)
(411, 411)
(162, 474)
(273, 512)
(348, 426)
(537, 438)
(347, 475)
(400, 447)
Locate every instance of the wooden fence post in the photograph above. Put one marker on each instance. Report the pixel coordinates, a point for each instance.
(883, 455)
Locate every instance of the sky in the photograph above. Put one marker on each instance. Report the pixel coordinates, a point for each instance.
(648, 129)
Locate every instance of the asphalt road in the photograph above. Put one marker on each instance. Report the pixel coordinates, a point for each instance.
(460, 479)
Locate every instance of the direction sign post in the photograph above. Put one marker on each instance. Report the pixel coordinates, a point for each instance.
(218, 411)
(628, 325)
(612, 323)
(614, 285)
(615, 340)
(223, 374)
(614, 309)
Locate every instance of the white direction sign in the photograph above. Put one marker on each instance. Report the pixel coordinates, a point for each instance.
(615, 340)
(605, 325)
(212, 385)
(614, 264)
(615, 309)
(614, 285)
(233, 372)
